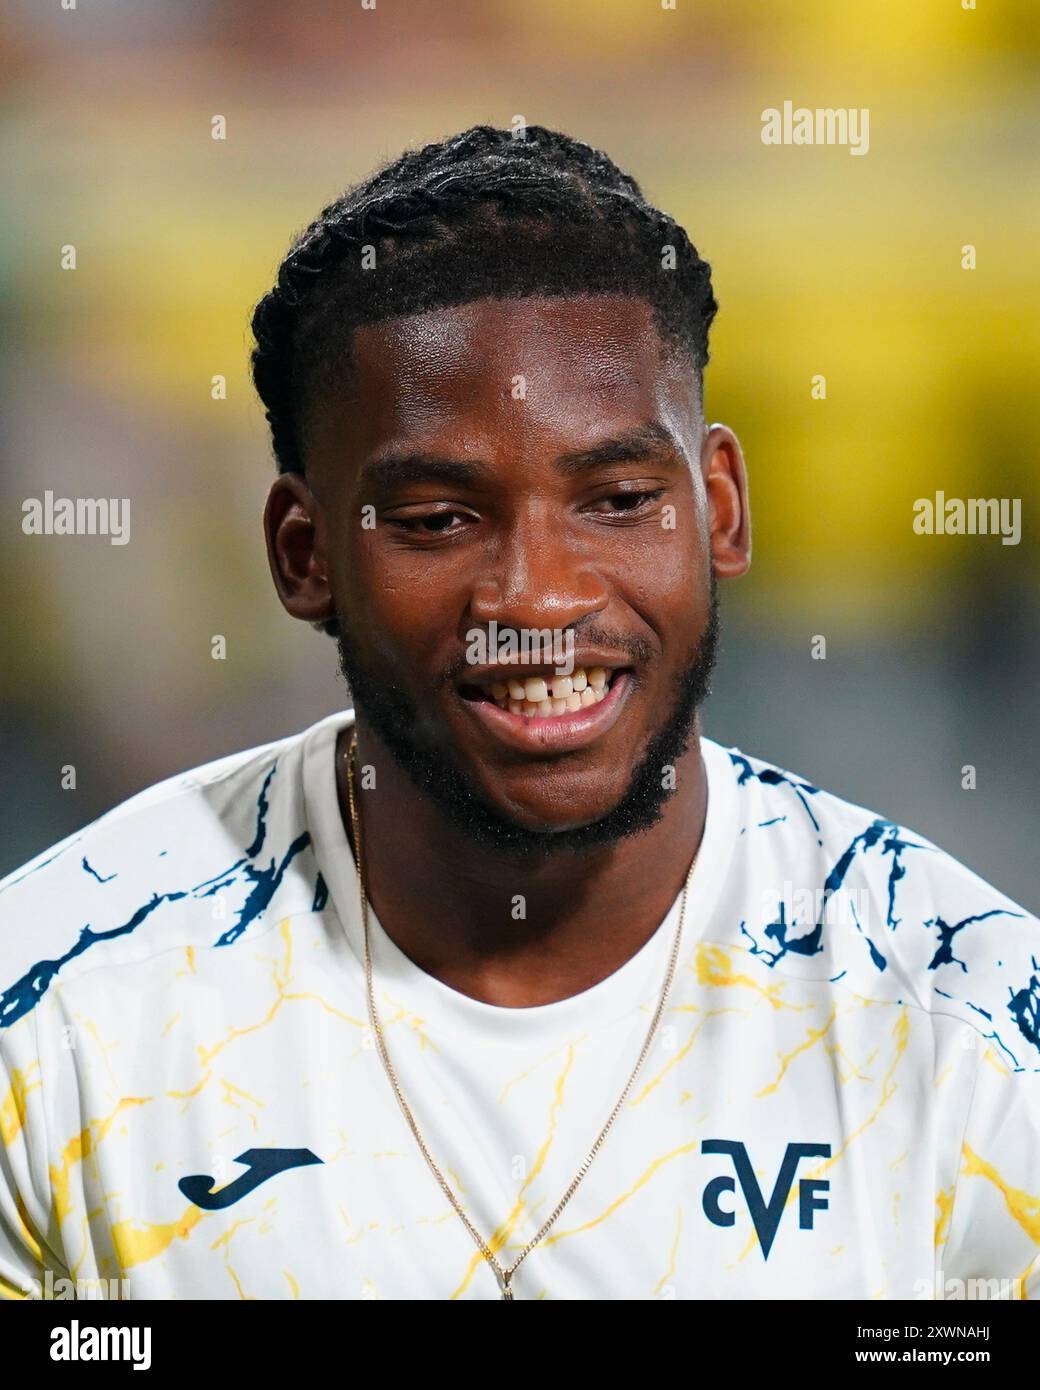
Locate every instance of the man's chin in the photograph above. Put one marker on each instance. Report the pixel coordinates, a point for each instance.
(551, 801)
(523, 815)
(497, 810)
(544, 827)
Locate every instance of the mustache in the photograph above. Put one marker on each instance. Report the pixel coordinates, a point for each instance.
(585, 631)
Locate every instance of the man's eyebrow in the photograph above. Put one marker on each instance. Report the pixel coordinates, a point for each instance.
(401, 468)
(647, 441)
(396, 469)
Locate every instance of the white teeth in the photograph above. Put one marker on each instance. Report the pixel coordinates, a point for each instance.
(540, 697)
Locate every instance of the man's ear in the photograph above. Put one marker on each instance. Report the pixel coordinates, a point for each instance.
(725, 482)
(295, 535)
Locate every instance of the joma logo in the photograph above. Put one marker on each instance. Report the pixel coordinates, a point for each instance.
(765, 1215)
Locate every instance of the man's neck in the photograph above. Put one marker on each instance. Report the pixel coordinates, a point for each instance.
(452, 906)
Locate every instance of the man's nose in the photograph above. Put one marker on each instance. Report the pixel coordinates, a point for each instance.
(537, 581)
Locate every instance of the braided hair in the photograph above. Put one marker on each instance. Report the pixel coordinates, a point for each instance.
(485, 213)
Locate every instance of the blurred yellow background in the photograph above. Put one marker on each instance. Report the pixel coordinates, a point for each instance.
(823, 262)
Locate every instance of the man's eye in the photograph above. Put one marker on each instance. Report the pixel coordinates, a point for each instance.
(429, 524)
(629, 501)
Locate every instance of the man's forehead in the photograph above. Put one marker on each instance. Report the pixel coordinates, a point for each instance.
(547, 354)
(568, 370)
(591, 336)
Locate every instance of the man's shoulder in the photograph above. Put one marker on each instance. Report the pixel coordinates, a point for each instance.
(202, 851)
(849, 841)
(880, 908)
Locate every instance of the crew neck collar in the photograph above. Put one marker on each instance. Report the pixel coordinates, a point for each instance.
(437, 1007)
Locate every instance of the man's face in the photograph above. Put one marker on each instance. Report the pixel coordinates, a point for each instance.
(535, 462)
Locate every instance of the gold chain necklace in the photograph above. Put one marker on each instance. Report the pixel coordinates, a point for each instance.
(504, 1275)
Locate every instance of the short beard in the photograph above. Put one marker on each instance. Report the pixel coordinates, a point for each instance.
(395, 719)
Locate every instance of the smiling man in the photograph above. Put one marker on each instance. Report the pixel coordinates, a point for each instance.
(508, 982)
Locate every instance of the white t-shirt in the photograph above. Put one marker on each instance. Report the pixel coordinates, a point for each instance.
(843, 1100)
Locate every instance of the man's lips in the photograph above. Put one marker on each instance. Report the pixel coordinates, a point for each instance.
(552, 733)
